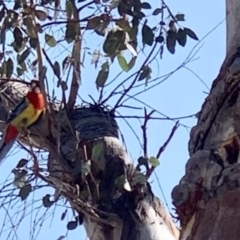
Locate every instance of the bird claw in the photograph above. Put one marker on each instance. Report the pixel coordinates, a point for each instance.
(25, 131)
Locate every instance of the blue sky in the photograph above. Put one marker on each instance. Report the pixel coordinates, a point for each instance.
(180, 95)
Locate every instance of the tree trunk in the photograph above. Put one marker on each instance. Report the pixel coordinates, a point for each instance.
(207, 197)
(111, 198)
(123, 211)
(233, 25)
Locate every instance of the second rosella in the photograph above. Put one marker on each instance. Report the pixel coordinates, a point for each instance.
(26, 113)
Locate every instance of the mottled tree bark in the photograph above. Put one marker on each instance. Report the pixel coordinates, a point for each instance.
(207, 197)
(106, 195)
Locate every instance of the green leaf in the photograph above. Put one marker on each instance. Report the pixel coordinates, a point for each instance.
(93, 23)
(19, 177)
(34, 62)
(139, 178)
(20, 71)
(122, 183)
(145, 73)
(39, 28)
(23, 66)
(86, 167)
(162, 23)
(43, 72)
(24, 55)
(145, 5)
(97, 151)
(181, 37)
(2, 13)
(33, 42)
(41, 15)
(157, 11)
(80, 219)
(114, 4)
(154, 161)
(17, 48)
(56, 69)
(18, 36)
(171, 41)
(23, 162)
(113, 42)
(69, 9)
(3, 36)
(132, 63)
(71, 32)
(50, 40)
(172, 26)
(1, 56)
(123, 63)
(25, 191)
(65, 63)
(180, 17)
(64, 85)
(142, 161)
(95, 57)
(9, 68)
(123, 24)
(147, 35)
(159, 39)
(61, 237)
(2, 70)
(190, 33)
(17, 5)
(139, 15)
(46, 201)
(72, 225)
(63, 215)
(119, 181)
(102, 75)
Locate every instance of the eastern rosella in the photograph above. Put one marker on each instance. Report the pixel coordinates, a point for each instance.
(26, 113)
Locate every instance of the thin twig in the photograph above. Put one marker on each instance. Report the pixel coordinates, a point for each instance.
(63, 92)
(136, 77)
(163, 147)
(157, 118)
(147, 117)
(76, 62)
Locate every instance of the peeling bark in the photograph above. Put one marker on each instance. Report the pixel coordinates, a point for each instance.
(207, 197)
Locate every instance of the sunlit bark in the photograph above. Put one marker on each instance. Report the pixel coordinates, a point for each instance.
(207, 197)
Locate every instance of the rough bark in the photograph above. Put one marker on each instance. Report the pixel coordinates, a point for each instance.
(207, 197)
(233, 25)
(124, 211)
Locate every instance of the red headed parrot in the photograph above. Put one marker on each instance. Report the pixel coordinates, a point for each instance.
(26, 113)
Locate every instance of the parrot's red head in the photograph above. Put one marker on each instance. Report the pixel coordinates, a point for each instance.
(35, 86)
(35, 96)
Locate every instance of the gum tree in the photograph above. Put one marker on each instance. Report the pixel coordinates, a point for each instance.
(78, 147)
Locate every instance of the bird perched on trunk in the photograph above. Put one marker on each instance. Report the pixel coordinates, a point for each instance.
(26, 113)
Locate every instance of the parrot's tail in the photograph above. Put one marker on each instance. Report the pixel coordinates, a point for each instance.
(9, 137)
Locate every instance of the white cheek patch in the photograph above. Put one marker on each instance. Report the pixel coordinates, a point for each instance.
(37, 90)
(33, 85)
